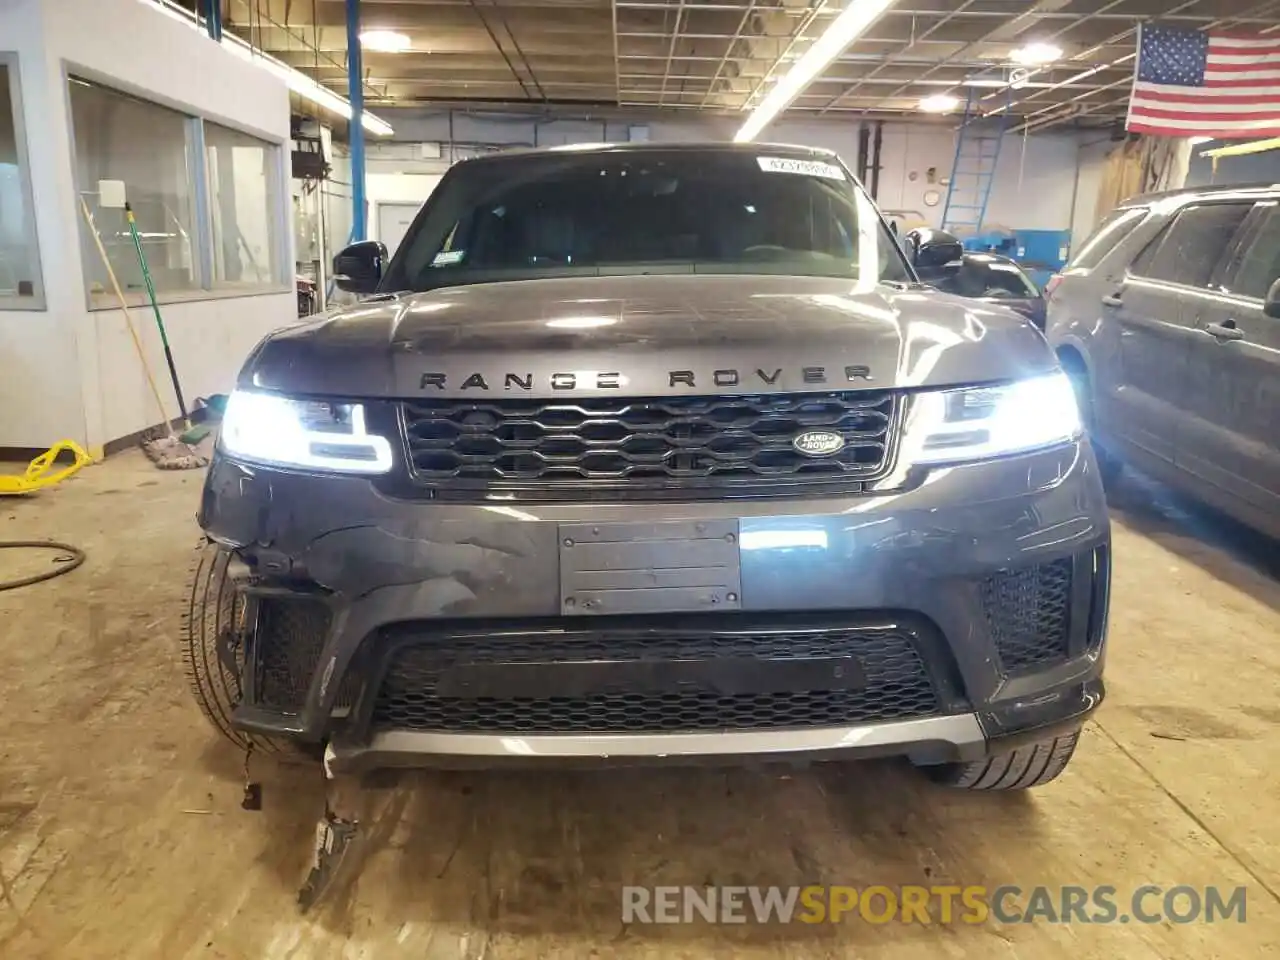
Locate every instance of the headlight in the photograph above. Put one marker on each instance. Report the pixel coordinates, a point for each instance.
(308, 434)
(945, 426)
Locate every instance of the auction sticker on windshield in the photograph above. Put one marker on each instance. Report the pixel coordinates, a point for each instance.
(806, 168)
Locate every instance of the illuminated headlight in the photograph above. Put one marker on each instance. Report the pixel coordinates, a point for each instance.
(303, 434)
(946, 426)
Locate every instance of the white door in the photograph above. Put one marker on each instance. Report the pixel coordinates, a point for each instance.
(393, 222)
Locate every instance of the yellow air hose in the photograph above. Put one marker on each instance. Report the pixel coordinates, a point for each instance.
(40, 472)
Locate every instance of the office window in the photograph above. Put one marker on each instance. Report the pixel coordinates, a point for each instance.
(118, 137)
(244, 190)
(19, 256)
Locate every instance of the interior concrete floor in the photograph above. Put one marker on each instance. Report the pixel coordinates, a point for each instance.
(121, 833)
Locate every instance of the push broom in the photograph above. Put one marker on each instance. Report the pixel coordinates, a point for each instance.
(190, 434)
(171, 452)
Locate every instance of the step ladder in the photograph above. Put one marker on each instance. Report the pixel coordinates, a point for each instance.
(974, 169)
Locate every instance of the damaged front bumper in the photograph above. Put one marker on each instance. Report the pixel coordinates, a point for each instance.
(358, 594)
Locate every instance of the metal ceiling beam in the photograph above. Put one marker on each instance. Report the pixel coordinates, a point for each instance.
(1123, 102)
(515, 43)
(942, 22)
(815, 9)
(718, 55)
(737, 35)
(675, 38)
(617, 60)
(1084, 56)
(1099, 111)
(1259, 8)
(1003, 32)
(497, 45)
(604, 77)
(299, 37)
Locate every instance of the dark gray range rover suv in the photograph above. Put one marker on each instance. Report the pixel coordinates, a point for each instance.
(653, 452)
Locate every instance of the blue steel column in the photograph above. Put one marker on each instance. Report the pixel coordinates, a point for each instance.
(213, 19)
(355, 93)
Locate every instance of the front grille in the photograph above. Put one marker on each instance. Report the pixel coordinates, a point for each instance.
(288, 639)
(898, 682)
(1027, 613)
(645, 447)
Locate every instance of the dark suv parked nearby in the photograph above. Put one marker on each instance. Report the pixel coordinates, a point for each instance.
(942, 262)
(653, 452)
(1169, 318)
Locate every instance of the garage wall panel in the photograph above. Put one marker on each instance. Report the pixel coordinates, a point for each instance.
(395, 188)
(133, 45)
(225, 329)
(40, 398)
(94, 389)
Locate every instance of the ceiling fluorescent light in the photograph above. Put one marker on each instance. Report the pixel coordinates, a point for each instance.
(384, 41)
(1035, 54)
(939, 103)
(296, 81)
(844, 29)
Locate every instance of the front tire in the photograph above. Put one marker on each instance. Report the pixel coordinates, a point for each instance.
(213, 651)
(1027, 766)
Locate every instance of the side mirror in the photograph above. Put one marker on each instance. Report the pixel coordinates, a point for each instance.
(930, 249)
(358, 267)
(1271, 306)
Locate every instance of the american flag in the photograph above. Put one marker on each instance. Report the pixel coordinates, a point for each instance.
(1189, 83)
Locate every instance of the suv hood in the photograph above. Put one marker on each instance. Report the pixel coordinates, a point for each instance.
(648, 336)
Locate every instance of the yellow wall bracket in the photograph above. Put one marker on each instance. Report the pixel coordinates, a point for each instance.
(40, 472)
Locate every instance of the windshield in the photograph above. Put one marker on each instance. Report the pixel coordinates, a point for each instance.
(987, 278)
(626, 212)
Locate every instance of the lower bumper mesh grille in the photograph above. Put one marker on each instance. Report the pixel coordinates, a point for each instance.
(1027, 613)
(289, 638)
(897, 683)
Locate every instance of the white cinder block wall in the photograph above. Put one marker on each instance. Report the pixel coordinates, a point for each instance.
(40, 393)
(70, 371)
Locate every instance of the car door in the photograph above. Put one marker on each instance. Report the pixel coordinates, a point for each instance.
(1076, 320)
(1230, 442)
(1148, 401)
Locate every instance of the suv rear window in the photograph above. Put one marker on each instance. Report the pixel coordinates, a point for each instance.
(1107, 237)
(598, 213)
(1188, 251)
(1259, 267)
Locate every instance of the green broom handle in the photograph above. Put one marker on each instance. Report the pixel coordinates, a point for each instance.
(155, 308)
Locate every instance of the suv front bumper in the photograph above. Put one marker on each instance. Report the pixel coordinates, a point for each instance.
(991, 577)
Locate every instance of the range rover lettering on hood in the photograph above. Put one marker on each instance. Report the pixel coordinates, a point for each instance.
(722, 377)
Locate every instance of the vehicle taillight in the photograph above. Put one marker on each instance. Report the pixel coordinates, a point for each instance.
(1052, 284)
